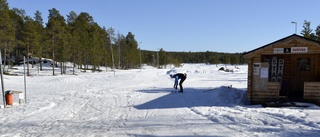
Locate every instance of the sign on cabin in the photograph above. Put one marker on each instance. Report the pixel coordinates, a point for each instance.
(278, 50)
(264, 72)
(287, 50)
(290, 50)
(256, 68)
(299, 50)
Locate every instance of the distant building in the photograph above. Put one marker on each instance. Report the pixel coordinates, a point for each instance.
(287, 68)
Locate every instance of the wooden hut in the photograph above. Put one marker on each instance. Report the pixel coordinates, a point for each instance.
(288, 68)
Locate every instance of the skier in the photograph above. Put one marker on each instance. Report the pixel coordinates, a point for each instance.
(182, 77)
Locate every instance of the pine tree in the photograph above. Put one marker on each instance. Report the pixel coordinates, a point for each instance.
(97, 44)
(131, 52)
(7, 31)
(307, 31)
(106, 47)
(82, 27)
(162, 57)
(317, 33)
(55, 30)
(30, 38)
(112, 39)
(17, 17)
(38, 48)
(71, 21)
(120, 39)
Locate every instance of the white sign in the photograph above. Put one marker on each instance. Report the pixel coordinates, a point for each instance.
(299, 49)
(21, 96)
(278, 50)
(264, 72)
(256, 68)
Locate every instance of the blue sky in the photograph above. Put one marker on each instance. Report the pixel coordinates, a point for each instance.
(191, 25)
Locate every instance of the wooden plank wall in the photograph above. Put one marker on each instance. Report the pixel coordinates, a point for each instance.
(271, 93)
(312, 92)
(255, 59)
(249, 83)
(265, 90)
(317, 65)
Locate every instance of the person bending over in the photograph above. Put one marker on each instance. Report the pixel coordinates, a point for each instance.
(182, 77)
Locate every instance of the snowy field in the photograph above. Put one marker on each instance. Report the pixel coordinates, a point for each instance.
(140, 103)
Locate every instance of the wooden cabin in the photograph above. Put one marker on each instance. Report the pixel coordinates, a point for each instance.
(288, 68)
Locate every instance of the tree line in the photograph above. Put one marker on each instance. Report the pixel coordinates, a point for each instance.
(76, 39)
(207, 57)
(80, 40)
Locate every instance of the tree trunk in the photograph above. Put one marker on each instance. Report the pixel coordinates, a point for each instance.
(74, 62)
(28, 74)
(61, 67)
(53, 64)
(40, 63)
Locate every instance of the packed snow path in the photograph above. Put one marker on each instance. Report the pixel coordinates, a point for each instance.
(140, 103)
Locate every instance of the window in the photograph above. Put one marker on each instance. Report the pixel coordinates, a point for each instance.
(304, 64)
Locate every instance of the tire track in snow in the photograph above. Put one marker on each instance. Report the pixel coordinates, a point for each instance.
(228, 121)
(241, 119)
(46, 122)
(298, 117)
(29, 124)
(60, 113)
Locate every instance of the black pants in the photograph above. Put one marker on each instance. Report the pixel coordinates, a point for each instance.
(180, 83)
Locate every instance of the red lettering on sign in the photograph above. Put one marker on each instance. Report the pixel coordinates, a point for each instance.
(299, 49)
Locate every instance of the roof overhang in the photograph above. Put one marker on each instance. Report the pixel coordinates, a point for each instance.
(294, 37)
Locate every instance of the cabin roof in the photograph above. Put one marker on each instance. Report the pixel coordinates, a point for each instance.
(293, 35)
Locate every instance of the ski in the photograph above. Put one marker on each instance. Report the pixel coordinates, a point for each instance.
(175, 91)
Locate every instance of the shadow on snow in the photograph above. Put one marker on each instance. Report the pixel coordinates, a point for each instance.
(195, 97)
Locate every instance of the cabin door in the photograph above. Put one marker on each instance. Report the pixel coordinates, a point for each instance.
(278, 65)
(302, 71)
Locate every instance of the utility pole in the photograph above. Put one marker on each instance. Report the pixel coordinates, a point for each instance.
(114, 71)
(140, 53)
(25, 81)
(119, 53)
(158, 60)
(1, 73)
(293, 22)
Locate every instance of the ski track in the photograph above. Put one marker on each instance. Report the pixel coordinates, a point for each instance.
(229, 116)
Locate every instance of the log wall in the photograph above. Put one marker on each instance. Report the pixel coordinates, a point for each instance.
(312, 92)
(271, 93)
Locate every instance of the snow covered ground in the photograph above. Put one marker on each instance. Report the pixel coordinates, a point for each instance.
(140, 103)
